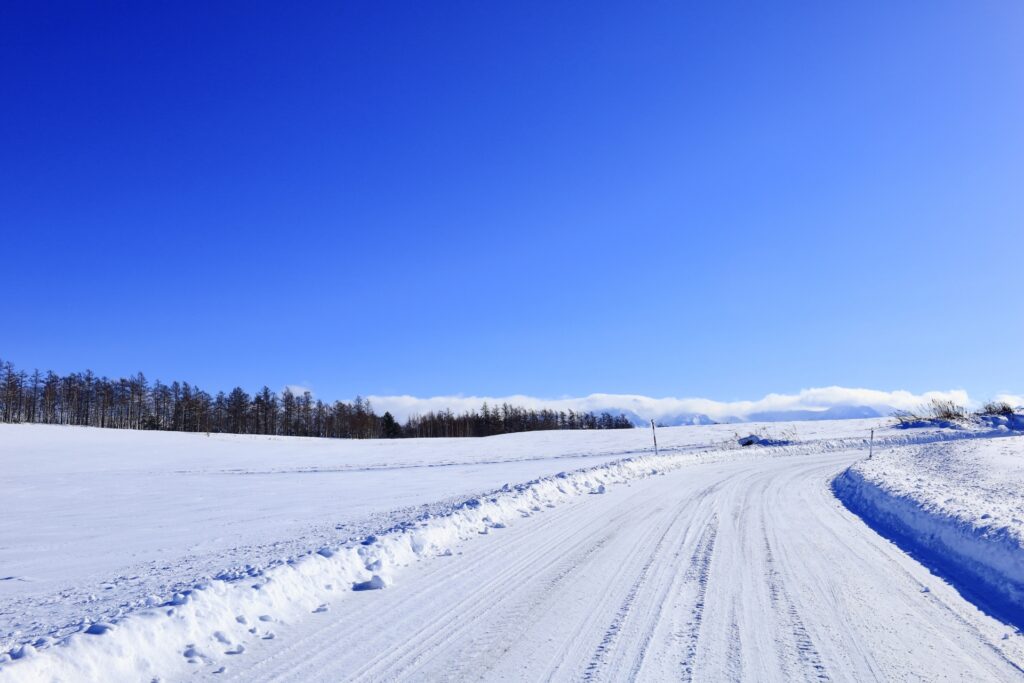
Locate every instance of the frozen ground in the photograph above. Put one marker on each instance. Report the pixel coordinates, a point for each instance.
(710, 562)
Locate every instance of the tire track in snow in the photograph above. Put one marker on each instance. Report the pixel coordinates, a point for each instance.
(449, 627)
(734, 660)
(668, 588)
(600, 659)
(478, 656)
(807, 653)
(697, 573)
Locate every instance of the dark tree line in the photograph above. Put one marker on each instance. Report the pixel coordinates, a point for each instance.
(135, 403)
(506, 419)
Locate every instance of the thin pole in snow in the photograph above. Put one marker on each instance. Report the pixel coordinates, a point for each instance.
(871, 445)
(654, 435)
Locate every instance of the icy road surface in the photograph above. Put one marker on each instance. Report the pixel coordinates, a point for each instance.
(742, 570)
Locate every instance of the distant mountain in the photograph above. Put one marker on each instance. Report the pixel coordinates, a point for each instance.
(664, 421)
(680, 419)
(686, 419)
(833, 413)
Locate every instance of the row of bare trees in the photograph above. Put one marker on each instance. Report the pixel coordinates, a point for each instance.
(135, 403)
(506, 419)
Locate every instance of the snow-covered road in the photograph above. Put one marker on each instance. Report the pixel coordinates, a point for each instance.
(748, 569)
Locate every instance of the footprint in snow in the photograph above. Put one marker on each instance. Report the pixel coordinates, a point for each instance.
(236, 650)
(374, 584)
(322, 608)
(22, 652)
(194, 655)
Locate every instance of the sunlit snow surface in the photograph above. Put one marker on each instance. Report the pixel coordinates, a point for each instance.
(958, 507)
(174, 555)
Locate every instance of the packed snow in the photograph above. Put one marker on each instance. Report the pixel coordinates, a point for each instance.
(566, 555)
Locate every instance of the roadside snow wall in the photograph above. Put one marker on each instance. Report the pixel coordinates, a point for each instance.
(986, 564)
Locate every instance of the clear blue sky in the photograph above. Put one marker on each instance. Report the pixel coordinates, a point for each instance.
(669, 198)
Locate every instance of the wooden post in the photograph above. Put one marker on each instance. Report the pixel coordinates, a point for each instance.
(871, 445)
(654, 435)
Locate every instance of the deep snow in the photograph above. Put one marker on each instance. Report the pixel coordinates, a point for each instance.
(170, 552)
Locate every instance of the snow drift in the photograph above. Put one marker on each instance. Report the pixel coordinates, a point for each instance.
(954, 506)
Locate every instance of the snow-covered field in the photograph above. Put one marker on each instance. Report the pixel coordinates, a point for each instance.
(572, 555)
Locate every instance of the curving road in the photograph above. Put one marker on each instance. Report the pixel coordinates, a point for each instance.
(746, 570)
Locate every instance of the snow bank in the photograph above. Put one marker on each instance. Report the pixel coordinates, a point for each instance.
(1014, 422)
(958, 506)
(215, 620)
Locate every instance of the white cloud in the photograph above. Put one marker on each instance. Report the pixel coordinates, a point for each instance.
(1012, 399)
(662, 408)
(298, 389)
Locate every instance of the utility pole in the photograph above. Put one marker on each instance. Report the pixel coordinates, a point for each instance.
(654, 435)
(871, 445)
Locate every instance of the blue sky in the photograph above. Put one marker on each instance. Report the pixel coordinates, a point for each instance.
(671, 199)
